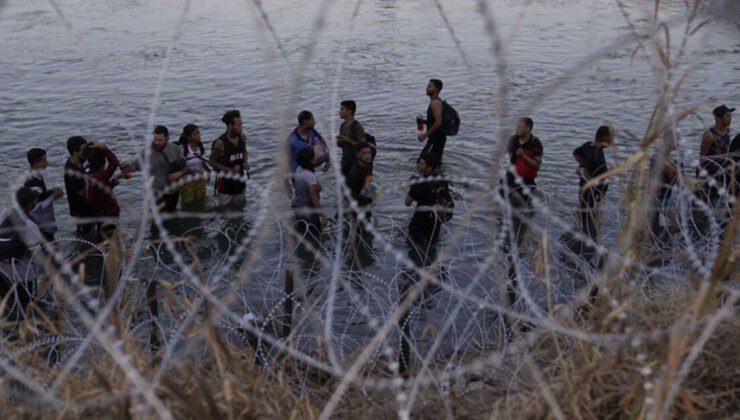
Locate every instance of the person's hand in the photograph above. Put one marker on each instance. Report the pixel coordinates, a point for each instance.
(519, 152)
(322, 219)
(95, 143)
(236, 169)
(422, 136)
(326, 167)
(341, 140)
(246, 166)
(57, 193)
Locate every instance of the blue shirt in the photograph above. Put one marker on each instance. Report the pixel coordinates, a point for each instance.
(297, 144)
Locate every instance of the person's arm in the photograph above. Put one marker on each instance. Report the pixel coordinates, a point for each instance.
(578, 155)
(326, 150)
(112, 160)
(408, 201)
(437, 112)
(217, 152)
(359, 133)
(313, 192)
(174, 176)
(532, 161)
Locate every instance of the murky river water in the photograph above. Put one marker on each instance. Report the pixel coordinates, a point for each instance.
(96, 69)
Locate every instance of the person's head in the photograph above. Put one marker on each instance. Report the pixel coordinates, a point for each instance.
(364, 153)
(37, 158)
(27, 198)
(76, 146)
(190, 134)
(434, 87)
(306, 158)
(161, 136)
(347, 109)
(95, 159)
(428, 162)
(233, 121)
(604, 136)
(305, 119)
(723, 115)
(524, 127)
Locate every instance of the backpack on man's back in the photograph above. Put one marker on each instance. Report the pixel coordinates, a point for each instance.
(450, 120)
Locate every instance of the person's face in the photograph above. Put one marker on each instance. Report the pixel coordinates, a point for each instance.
(43, 163)
(365, 156)
(160, 140)
(423, 167)
(81, 153)
(343, 112)
(725, 120)
(195, 136)
(522, 129)
(236, 126)
(431, 89)
(310, 123)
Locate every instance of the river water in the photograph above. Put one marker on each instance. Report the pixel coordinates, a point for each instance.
(97, 69)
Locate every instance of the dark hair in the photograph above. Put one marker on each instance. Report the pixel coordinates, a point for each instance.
(230, 116)
(438, 83)
(305, 158)
(364, 145)
(430, 159)
(304, 116)
(602, 132)
(528, 122)
(25, 196)
(187, 131)
(35, 155)
(74, 144)
(350, 106)
(95, 159)
(160, 129)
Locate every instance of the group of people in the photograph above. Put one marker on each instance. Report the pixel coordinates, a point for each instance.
(92, 172)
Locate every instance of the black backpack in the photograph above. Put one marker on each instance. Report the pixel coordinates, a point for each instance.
(11, 244)
(450, 120)
(444, 204)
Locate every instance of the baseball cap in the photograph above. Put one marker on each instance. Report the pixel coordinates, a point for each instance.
(721, 110)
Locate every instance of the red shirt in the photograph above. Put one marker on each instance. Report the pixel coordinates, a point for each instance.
(99, 193)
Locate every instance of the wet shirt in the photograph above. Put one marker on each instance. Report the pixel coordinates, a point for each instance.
(74, 183)
(533, 145)
(43, 212)
(99, 194)
(354, 132)
(234, 154)
(593, 160)
(423, 222)
(359, 177)
(302, 179)
(714, 160)
(193, 158)
(163, 163)
(296, 143)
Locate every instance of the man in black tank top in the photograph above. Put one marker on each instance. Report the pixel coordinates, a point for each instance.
(435, 138)
(229, 154)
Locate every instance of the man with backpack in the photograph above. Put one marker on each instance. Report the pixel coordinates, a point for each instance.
(351, 135)
(434, 136)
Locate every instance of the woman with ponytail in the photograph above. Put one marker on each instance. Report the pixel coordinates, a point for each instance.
(193, 150)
